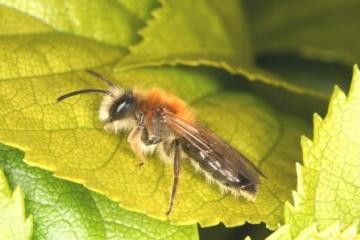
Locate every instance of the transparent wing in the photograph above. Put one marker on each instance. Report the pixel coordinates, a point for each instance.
(231, 162)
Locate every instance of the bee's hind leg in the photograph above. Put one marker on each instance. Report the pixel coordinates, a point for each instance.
(177, 167)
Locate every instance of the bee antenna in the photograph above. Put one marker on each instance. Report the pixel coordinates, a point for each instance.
(71, 94)
(100, 76)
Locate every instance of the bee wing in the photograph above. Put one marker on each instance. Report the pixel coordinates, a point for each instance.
(216, 149)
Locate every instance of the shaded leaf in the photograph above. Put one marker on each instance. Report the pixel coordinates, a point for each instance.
(310, 74)
(13, 223)
(187, 22)
(64, 210)
(224, 45)
(319, 29)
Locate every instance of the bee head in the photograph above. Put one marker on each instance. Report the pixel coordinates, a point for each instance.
(117, 110)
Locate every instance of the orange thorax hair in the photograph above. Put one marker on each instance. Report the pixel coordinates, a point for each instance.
(155, 97)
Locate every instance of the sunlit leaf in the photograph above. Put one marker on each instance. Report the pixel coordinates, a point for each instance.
(106, 21)
(331, 232)
(67, 138)
(328, 181)
(13, 223)
(74, 145)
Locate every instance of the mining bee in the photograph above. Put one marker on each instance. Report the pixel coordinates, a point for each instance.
(163, 123)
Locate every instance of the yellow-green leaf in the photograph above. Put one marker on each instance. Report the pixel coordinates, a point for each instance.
(330, 173)
(328, 182)
(102, 20)
(12, 22)
(331, 232)
(321, 29)
(51, 53)
(141, 8)
(13, 223)
(67, 138)
(64, 210)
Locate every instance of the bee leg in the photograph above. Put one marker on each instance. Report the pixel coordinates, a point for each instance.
(134, 140)
(149, 141)
(176, 175)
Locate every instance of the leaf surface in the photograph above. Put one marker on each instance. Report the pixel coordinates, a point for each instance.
(110, 22)
(328, 182)
(331, 232)
(74, 145)
(13, 223)
(64, 210)
(188, 23)
(224, 45)
(68, 139)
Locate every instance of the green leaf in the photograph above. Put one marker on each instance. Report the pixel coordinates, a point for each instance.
(141, 8)
(187, 22)
(89, 19)
(30, 48)
(224, 45)
(328, 182)
(64, 210)
(13, 223)
(68, 139)
(51, 53)
(319, 29)
(80, 150)
(332, 232)
(12, 22)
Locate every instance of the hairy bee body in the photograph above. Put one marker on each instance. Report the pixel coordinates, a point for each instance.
(163, 123)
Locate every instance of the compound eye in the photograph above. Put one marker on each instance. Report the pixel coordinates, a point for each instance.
(121, 107)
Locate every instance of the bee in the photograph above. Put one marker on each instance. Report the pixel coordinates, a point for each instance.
(163, 123)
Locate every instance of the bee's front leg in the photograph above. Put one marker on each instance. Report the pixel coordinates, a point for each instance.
(134, 140)
(139, 139)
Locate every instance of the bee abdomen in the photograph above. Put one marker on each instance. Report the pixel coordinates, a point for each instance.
(237, 184)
